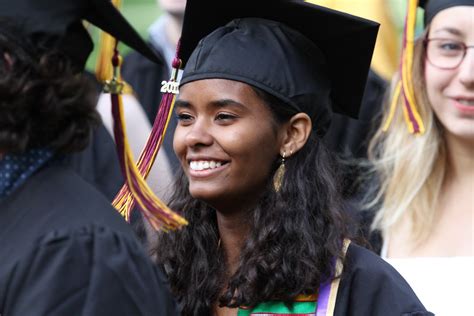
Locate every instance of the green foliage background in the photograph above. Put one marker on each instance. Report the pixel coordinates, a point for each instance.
(140, 13)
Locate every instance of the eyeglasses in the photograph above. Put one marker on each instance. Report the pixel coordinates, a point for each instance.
(445, 53)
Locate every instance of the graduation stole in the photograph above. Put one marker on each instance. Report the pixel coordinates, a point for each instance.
(321, 304)
(136, 190)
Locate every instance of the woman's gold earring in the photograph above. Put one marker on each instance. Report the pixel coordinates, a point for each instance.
(279, 174)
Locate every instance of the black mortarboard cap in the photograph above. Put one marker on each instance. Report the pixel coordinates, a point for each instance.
(307, 55)
(62, 20)
(433, 7)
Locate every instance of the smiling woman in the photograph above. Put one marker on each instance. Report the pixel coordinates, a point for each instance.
(450, 88)
(266, 234)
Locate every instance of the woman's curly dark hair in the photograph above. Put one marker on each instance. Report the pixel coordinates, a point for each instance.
(295, 235)
(45, 102)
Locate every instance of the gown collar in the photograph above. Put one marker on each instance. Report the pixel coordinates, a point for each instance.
(15, 169)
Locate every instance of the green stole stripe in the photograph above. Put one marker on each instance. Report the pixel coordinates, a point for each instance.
(275, 307)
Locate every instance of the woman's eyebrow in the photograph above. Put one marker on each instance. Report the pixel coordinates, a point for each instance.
(450, 30)
(221, 103)
(226, 103)
(182, 104)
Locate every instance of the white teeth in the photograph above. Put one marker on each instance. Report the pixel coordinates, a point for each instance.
(466, 102)
(204, 165)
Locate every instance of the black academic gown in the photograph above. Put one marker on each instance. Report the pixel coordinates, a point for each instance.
(98, 164)
(65, 251)
(371, 286)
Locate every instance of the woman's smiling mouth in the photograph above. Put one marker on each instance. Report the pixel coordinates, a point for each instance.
(205, 167)
(199, 165)
(464, 105)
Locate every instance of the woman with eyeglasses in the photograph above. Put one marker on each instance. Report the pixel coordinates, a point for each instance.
(423, 155)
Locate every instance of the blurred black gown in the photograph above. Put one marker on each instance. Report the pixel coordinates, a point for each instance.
(65, 251)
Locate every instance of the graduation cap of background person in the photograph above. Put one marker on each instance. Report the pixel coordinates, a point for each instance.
(327, 59)
(404, 91)
(432, 7)
(62, 20)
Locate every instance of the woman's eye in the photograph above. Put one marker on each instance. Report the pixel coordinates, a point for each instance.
(184, 117)
(225, 117)
(451, 46)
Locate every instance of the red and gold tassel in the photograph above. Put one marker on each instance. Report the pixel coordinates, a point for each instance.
(135, 188)
(404, 88)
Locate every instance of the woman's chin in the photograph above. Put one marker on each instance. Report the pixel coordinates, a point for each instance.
(205, 195)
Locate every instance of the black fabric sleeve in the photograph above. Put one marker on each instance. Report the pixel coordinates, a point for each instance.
(90, 271)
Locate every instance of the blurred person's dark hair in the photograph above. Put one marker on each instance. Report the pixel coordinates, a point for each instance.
(45, 100)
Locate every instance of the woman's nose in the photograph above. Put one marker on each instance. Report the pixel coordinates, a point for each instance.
(199, 134)
(466, 69)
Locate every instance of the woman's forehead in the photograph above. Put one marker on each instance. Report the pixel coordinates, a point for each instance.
(456, 21)
(217, 89)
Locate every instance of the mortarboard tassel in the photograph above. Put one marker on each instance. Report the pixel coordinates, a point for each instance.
(135, 188)
(404, 88)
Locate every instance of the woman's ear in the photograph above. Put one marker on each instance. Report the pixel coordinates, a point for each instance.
(297, 132)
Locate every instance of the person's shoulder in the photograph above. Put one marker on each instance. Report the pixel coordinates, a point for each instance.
(365, 261)
(58, 197)
(370, 286)
(94, 268)
(376, 286)
(68, 187)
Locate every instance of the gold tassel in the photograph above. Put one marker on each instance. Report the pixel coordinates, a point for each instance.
(103, 67)
(279, 174)
(405, 90)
